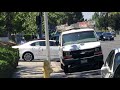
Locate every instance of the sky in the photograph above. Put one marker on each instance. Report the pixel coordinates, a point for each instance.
(88, 15)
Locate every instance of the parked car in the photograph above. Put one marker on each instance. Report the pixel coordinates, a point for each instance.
(111, 67)
(80, 50)
(107, 36)
(36, 49)
(113, 33)
(99, 34)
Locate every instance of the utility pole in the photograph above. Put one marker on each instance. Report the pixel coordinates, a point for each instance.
(47, 35)
(47, 66)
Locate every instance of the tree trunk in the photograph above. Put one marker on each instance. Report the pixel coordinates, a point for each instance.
(9, 25)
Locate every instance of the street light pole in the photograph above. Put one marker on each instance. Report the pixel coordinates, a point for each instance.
(47, 66)
(47, 36)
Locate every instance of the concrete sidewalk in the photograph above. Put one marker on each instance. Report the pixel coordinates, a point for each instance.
(34, 70)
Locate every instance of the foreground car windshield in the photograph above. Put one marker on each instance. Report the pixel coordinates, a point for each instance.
(79, 37)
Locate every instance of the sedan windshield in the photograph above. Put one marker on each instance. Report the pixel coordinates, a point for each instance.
(99, 33)
(79, 37)
(107, 34)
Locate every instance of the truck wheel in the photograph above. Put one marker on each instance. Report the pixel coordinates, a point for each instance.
(99, 65)
(65, 68)
(62, 66)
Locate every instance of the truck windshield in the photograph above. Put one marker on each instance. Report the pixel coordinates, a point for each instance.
(79, 37)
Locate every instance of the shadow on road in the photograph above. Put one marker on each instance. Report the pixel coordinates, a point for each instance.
(24, 71)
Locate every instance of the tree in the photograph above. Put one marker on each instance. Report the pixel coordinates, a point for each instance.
(18, 22)
(101, 20)
(25, 22)
(114, 21)
(2, 23)
(95, 17)
(74, 17)
(58, 18)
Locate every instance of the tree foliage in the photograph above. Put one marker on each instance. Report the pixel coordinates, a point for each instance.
(107, 19)
(114, 20)
(25, 22)
(58, 18)
(101, 20)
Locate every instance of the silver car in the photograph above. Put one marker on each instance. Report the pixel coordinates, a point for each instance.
(111, 67)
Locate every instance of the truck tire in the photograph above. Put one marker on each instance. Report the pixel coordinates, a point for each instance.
(62, 67)
(65, 68)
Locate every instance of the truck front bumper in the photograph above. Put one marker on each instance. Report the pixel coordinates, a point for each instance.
(89, 63)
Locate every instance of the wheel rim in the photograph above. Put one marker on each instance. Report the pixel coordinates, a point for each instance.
(28, 56)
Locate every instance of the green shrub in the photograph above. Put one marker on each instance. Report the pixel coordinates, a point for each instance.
(8, 60)
(10, 55)
(3, 65)
(5, 69)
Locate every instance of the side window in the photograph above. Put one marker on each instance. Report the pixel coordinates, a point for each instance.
(42, 43)
(52, 43)
(33, 44)
(37, 44)
(109, 59)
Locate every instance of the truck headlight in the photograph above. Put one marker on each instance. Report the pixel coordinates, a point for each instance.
(98, 50)
(103, 37)
(67, 55)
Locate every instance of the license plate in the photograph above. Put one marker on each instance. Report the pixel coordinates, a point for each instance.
(84, 61)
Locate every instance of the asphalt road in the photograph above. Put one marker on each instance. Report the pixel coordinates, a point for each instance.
(107, 46)
(34, 69)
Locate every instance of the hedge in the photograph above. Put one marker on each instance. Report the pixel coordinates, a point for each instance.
(5, 69)
(8, 60)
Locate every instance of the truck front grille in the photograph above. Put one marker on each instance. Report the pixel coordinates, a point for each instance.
(82, 53)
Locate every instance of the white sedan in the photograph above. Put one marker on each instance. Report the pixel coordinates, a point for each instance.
(36, 49)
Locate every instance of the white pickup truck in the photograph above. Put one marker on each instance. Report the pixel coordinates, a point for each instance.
(80, 48)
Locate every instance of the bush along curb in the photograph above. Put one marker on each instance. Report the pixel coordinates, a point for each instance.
(8, 61)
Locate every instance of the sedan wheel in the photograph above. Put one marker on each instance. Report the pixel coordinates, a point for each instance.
(28, 57)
